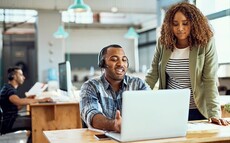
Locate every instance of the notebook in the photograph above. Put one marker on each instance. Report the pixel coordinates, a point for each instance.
(153, 114)
(37, 89)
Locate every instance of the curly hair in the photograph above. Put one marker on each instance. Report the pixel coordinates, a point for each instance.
(200, 33)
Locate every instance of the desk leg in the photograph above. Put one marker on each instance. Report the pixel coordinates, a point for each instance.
(53, 117)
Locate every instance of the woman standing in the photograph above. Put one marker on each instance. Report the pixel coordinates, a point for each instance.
(185, 57)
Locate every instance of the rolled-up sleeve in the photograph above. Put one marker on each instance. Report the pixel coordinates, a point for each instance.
(89, 103)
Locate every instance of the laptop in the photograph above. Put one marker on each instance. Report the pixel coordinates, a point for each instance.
(153, 114)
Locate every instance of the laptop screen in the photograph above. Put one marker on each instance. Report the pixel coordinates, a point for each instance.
(154, 114)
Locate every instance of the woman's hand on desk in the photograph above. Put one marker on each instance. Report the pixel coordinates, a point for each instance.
(219, 121)
(47, 99)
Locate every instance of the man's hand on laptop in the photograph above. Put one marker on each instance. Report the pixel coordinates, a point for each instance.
(117, 122)
(219, 121)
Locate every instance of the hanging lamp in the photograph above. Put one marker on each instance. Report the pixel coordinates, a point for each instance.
(131, 34)
(60, 33)
(79, 6)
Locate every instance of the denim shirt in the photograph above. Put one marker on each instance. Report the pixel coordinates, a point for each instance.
(98, 97)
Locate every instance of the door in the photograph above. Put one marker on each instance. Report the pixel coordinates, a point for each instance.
(19, 50)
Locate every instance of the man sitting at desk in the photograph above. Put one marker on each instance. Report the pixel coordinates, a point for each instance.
(101, 97)
(10, 103)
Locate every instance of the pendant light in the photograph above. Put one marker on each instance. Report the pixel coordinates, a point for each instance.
(79, 6)
(131, 34)
(60, 33)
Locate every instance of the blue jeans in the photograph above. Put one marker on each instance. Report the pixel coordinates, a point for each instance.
(194, 114)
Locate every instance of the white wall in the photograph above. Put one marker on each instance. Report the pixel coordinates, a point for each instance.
(93, 40)
(220, 26)
(51, 51)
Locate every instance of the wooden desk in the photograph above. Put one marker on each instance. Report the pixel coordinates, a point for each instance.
(53, 116)
(219, 134)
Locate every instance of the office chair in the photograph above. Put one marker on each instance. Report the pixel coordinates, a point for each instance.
(222, 90)
(2, 131)
(1, 120)
(227, 92)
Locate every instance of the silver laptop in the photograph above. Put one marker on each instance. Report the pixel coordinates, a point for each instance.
(153, 114)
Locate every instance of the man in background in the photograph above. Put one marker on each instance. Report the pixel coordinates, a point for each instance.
(10, 103)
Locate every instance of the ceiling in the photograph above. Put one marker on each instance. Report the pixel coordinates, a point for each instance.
(124, 6)
(134, 12)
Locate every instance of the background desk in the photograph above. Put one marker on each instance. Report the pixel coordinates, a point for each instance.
(53, 116)
(220, 135)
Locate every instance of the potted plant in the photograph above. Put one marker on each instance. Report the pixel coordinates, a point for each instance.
(227, 107)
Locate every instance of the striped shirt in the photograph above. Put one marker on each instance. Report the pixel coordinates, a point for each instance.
(97, 96)
(177, 71)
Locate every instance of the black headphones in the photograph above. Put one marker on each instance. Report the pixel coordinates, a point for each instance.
(11, 75)
(101, 60)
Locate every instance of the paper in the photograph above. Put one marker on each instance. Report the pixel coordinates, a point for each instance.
(37, 89)
(198, 126)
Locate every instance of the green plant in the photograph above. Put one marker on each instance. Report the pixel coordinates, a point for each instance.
(227, 107)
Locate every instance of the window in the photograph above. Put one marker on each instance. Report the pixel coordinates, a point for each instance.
(146, 47)
(222, 33)
(85, 17)
(219, 15)
(16, 15)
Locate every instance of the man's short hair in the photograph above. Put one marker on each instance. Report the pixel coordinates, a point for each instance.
(101, 60)
(11, 71)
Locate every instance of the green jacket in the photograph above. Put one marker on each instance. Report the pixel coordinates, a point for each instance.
(203, 67)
